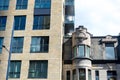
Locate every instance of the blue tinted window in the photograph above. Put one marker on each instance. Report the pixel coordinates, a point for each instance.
(39, 44)
(14, 70)
(1, 43)
(42, 4)
(19, 22)
(4, 4)
(21, 4)
(41, 22)
(2, 22)
(110, 51)
(17, 45)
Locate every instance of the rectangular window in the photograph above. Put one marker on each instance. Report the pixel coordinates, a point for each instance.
(17, 45)
(68, 75)
(89, 75)
(74, 75)
(3, 22)
(4, 4)
(81, 51)
(110, 51)
(43, 4)
(1, 43)
(14, 69)
(38, 69)
(21, 4)
(19, 22)
(111, 75)
(39, 44)
(41, 22)
(96, 75)
(82, 74)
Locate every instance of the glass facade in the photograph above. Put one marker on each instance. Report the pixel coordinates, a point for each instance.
(3, 20)
(46, 4)
(1, 43)
(41, 22)
(17, 45)
(4, 4)
(110, 51)
(14, 69)
(21, 4)
(39, 44)
(19, 22)
(38, 69)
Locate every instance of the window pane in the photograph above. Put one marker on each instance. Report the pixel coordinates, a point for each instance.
(110, 53)
(4, 4)
(81, 51)
(68, 75)
(19, 22)
(82, 75)
(42, 3)
(38, 69)
(17, 45)
(74, 75)
(1, 43)
(89, 75)
(111, 75)
(87, 51)
(21, 4)
(96, 75)
(14, 69)
(2, 22)
(39, 44)
(41, 22)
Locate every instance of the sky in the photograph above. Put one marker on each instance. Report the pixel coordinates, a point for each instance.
(100, 17)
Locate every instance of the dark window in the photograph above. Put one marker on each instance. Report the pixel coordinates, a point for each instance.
(74, 75)
(19, 22)
(21, 4)
(14, 69)
(111, 75)
(17, 45)
(96, 75)
(68, 75)
(41, 22)
(4, 4)
(38, 69)
(39, 44)
(110, 51)
(3, 22)
(43, 4)
(1, 43)
(82, 74)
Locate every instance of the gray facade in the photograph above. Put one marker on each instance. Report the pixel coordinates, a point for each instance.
(101, 62)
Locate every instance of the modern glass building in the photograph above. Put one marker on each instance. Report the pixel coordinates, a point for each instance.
(38, 42)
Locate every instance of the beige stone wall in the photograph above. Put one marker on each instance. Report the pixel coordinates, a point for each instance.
(54, 56)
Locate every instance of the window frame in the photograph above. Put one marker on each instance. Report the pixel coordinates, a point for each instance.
(41, 22)
(110, 45)
(85, 51)
(43, 5)
(21, 5)
(14, 72)
(19, 41)
(40, 71)
(40, 44)
(2, 24)
(19, 22)
(5, 5)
